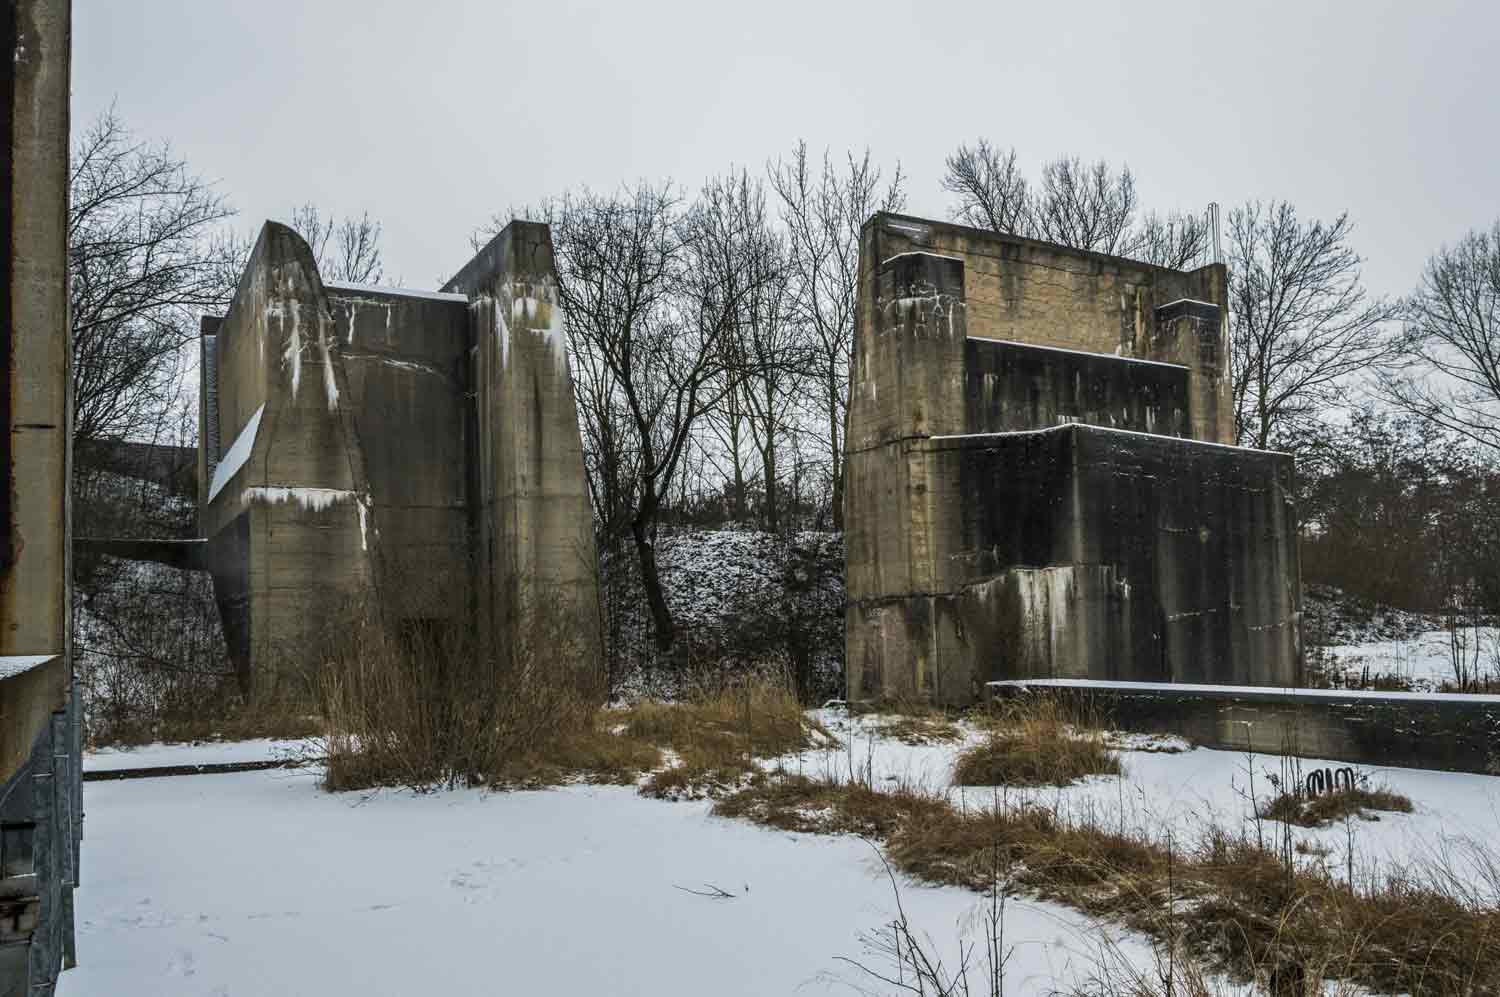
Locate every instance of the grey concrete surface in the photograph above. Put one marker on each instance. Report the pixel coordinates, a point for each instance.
(40, 791)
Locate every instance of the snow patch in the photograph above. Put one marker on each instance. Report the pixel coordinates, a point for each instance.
(404, 292)
(14, 664)
(316, 499)
(239, 452)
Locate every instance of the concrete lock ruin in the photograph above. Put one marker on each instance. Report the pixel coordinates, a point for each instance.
(348, 430)
(1041, 481)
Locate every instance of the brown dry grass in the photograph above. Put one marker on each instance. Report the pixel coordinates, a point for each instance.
(719, 734)
(921, 728)
(1320, 811)
(1035, 742)
(1234, 905)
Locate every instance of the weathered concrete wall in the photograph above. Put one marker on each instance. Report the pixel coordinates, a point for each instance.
(299, 479)
(40, 793)
(1011, 386)
(534, 525)
(1025, 291)
(1018, 509)
(405, 357)
(419, 445)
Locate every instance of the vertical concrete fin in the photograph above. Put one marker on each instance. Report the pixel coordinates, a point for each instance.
(531, 513)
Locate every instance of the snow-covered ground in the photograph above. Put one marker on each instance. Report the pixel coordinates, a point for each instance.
(1424, 661)
(261, 883)
(1188, 791)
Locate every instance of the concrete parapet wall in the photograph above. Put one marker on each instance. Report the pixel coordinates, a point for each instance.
(1454, 733)
(1026, 291)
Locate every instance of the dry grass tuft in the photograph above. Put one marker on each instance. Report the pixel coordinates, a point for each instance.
(793, 802)
(1320, 811)
(921, 728)
(1034, 741)
(720, 733)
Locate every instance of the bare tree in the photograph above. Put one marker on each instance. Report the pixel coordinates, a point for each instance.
(823, 212)
(1085, 206)
(1175, 241)
(1453, 327)
(346, 249)
(651, 293)
(767, 356)
(145, 258)
(1302, 324)
(992, 193)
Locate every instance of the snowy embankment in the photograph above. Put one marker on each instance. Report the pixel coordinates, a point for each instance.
(261, 883)
(1425, 661)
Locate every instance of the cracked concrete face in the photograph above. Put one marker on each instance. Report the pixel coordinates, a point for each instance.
(1037, 481)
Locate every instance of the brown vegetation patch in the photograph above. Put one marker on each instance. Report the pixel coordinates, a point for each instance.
(1319, 811)
(793, 802)
(1034, 741)
(926, 728)
(1234, 904)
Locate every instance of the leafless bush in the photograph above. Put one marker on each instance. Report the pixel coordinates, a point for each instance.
(419, 702)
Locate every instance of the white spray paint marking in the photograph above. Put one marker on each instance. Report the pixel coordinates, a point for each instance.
(330, 382)
(362, 504)
(292, 354)
(502, 333)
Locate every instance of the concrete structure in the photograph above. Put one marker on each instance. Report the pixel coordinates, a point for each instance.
(40, 792)
(419, 445)
(1039, 477)
(1419, 730)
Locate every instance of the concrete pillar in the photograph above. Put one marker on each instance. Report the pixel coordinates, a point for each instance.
(39, 819)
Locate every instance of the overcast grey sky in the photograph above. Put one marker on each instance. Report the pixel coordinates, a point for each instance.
(433, 114)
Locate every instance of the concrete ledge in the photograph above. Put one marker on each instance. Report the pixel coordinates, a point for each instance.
(1445, 731)
(206, 768)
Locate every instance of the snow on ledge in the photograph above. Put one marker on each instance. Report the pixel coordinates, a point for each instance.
(1290, 692)
(239, 452)
(405, 292)
(1188, 301)
(1105, 429)
(1081, 353)
(918, 252)
(12, 665)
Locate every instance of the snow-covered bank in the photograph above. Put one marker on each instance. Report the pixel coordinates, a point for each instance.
(260, 883)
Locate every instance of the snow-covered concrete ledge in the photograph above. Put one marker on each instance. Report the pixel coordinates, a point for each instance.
(1446, 731)
(1264, 692)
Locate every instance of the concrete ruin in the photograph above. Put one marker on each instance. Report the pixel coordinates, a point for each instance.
(357, 437)
(1041, 481)
(40, 790)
